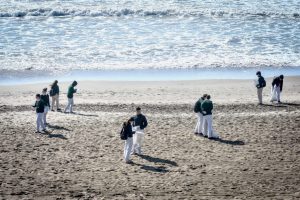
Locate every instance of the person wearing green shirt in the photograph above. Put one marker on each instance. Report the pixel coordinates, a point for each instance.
(207, 107)
(198, 111)
(70, 95)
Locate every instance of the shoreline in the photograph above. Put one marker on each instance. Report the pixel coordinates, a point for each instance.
(31, 76)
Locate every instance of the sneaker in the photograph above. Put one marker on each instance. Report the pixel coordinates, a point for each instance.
(129, 162)
(196, 133)
(37, 132)
(52, 110)
(58, 109)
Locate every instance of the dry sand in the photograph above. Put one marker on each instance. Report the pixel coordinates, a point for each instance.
(81, 157)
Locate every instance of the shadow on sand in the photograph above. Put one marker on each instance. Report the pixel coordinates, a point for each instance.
(230, 142)
(50, 135)
(58, 127)
(158, 160)
(85, 115)
(152, 169)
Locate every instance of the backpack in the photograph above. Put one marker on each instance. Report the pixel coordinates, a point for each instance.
(263, 84)
(123, 135)
(51, 92)
(196, 107)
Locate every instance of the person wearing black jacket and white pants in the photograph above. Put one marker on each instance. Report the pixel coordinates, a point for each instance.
(139, 124)
(261, 83)
(45, 98)
(39, 107)
(277, 85)
(127, 128)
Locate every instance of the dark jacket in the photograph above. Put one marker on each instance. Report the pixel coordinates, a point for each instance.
(207, 107)
(277, 82)
(140, 120)
(261, 82)
(45, 98)
(127, 130)
(197, 107)
(55, 89)
(71, 91)
(39, 106)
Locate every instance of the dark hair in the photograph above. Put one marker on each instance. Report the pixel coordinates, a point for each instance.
(281, 76)
(204, 95)
(54, 83)
(45, 90)
(38, 95)
(208, 97)
(138, 108)
(258, 73)
(74, 83)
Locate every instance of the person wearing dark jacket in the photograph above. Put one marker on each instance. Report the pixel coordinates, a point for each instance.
(198, 111)
(261, 83)
(277, 86)
(139, 124)
(45, 98)
(128, 133)
(207, 107)
(54, 93)
(39, 108)
(70, 96)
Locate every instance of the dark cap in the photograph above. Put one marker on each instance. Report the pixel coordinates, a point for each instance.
(138, 108)
(45, 90)
(38, 95)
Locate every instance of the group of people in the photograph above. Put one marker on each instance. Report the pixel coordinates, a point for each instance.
(133, 134)
(203, 108)
(133, 129)
(42, 104)
(276, 87)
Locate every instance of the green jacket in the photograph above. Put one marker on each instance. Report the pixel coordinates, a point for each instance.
(207, 107)
(71, 91)
(197, 107)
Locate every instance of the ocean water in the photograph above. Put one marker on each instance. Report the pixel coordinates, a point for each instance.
(59, 37)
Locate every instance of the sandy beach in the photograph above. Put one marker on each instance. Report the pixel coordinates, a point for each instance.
(257, 157)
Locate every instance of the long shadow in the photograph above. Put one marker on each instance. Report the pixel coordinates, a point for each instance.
(158, 160)
(50, 135)
(291, 104)
(230, 142)
(275, 105)
(86, 115)
(57, 136)
(58, 127)
(151, 168)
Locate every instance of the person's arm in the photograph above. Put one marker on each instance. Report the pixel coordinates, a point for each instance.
(212, 106)
(281, 85)
(144, 123)
(203, 108)
(57, 89)
(259, 82)
(34, 105)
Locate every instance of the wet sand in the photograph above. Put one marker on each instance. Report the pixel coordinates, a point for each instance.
(257, 156)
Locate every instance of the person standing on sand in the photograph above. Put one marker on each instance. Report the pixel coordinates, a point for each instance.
(39, 107)
(139, 124)
(261, 83)
(277, 85)
(207, 107)
(45, 98)
(70, 95)
(198, 111)
(54, 93)
(127, 134)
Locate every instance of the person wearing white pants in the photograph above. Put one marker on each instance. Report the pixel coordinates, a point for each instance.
(198, 111)
(39, 106)
(70, 105)
(54, 93)
(45, 98)
(207, 107)
(70, 96)
(128, 133)
(277, 85)
(139, 124)
(260, 84)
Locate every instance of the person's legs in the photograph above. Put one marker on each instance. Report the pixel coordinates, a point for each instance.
(198, 124)
(201, 123)
(127, 149)
(41, 121)
(259, 95)
(139, 142)
(53, 102)
(68, 105)
(204, 126)
(71, 104)
(57, 101)
(209, 125)
(37, 122)
(45, 115)
(277, 89)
